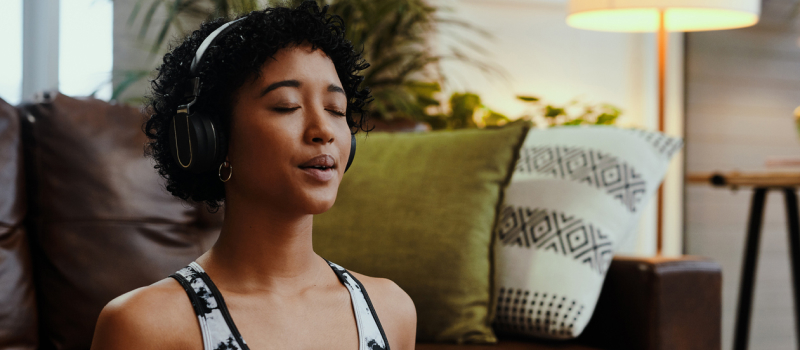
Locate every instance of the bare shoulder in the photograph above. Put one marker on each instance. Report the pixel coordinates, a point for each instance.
(395, 309)
(159, 316)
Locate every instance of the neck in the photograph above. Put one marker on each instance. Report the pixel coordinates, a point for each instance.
(262, 248)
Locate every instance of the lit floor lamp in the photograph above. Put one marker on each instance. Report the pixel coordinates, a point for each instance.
(662, 16)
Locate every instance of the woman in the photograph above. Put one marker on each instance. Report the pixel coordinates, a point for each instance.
(259, 113)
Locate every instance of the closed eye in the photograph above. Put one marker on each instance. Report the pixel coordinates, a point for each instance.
(285, 109)
(292, 109)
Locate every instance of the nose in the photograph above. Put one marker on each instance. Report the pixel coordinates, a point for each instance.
(319, 128)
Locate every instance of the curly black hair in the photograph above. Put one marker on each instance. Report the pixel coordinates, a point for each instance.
(236, 56)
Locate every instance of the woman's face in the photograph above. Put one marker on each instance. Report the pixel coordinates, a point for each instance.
(290, 141)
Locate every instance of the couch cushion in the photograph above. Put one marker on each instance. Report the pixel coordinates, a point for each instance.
(17, 300)
(418, 208)
(103, 224)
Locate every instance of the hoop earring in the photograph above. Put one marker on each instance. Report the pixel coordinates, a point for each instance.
(230, 171)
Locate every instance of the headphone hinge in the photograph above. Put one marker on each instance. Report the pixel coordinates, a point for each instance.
(191, 97)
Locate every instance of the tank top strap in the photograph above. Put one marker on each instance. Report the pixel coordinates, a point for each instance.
(218, 330)
(370, 330)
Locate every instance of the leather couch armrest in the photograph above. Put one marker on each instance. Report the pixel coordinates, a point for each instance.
(658, 303)
(18, 310)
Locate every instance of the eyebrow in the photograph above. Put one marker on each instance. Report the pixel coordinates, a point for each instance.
(296, 84)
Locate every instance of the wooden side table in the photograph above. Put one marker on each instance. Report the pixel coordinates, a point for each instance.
(761, 182)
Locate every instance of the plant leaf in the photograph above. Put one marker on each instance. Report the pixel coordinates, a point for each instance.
(552, 112)
(129, 78)
(606, 119)
(134, 12)
(528, 98)
(148, 17)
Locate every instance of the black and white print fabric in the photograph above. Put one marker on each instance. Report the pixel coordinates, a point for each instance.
(520, 311)
(556, 232)
(220, 333)
(575, 195)
(369, 328)
(587, 166)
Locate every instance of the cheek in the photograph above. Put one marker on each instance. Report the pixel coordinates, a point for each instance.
(257, 145)
(344, 146)
(267, 147)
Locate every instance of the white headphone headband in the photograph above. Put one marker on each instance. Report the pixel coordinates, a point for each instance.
(206, 43)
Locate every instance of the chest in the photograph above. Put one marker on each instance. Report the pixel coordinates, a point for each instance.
(311, 323)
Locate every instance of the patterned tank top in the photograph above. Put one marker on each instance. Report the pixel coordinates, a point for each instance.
(219, 332)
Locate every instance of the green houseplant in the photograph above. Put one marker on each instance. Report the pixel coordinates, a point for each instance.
(467, 111)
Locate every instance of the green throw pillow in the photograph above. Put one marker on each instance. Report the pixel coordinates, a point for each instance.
(419, 208)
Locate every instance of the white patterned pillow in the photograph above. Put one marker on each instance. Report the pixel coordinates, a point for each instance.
(575, 194)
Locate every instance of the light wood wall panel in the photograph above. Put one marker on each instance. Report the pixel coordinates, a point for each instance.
(741, 88)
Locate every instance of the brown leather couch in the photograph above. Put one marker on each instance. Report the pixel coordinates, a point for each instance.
(84, 218)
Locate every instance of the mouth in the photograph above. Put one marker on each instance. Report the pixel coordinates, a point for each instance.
(320, 167)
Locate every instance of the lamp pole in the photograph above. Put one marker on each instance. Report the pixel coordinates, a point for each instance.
(662, 67)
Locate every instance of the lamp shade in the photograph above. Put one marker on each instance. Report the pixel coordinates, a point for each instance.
(679, 15)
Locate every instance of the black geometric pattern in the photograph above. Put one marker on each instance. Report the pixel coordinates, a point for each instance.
(535, 313)
(594, 168)
(549, 230)
(664, 144)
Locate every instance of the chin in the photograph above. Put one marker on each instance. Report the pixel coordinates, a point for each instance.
(320, 207)
(318, 203)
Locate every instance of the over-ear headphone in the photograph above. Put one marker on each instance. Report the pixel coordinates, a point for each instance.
(193, 138)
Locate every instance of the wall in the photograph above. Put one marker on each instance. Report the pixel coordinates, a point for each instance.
(741, 88)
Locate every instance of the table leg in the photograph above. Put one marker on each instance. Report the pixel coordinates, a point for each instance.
(749, 269)
(793, 220)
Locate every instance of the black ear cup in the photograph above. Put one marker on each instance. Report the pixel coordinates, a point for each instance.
(352, 151)
(194, 142)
